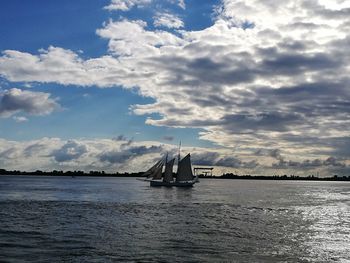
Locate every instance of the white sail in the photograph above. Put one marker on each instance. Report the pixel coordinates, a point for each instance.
(149, 173)
(184, 169)
(158, 172)
(168, 174)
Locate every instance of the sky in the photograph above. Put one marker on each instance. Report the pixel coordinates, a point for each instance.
(247, 86)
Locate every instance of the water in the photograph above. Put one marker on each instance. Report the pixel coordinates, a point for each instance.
(63, 219)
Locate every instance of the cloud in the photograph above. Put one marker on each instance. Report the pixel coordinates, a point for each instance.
(309, 164)
(182, 4)
(122, 138)
(125, 5)
(212, 158)
(275, 153)
(167, 20)
(20, 118)
(129, 38)
(125, 155)
(204, 158)
(39, 68)
(60, 66)
(265, 75)
(35, 148)
(95, 154)
(168, 138)
(10, 153)
(271, 121)
(35, 103)
(69, 151)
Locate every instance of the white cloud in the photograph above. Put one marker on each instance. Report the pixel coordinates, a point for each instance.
(180, 3)
(20, 118)
(125, 5)
(61, 66)
(54, 64)
(129, 38)
(35, 103)
(168, 20)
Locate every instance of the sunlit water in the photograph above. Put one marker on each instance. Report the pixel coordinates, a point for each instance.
(89, 219)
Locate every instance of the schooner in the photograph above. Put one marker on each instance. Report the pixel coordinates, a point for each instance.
(184, 176)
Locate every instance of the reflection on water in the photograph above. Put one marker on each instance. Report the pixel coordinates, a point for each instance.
(122, 219)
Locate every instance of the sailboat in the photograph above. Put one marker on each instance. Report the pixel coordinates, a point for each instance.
(184, 177)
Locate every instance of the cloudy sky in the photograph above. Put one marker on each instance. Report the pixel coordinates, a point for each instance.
(248, 86)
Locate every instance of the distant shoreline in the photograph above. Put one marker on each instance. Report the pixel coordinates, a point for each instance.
(281, 177)
(224, 176)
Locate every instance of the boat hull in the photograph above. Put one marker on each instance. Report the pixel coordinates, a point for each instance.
(144, 179)
(155, 183)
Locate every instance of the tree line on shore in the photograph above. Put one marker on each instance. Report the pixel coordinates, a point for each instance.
(70, 173)
(285, 177)
(139, 174)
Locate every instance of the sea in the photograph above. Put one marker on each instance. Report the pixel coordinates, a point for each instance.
(99, 219)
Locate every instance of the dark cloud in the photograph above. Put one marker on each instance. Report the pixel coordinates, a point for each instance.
(291, 45)
(205, 158)
(127, 153)
(234, 162)
(309, 164)
(290, 64)
(331, 161)
(34, 149)
(305, 25)
(205, 71)
(69, 151)
(226, 72)
(124, 139)
(115, 157)
(335, 146)
(275, 153)
(168, 138)
(270, 121)
(215, 159)
(333, 14)
(306, 91)
(340, 146)
(9, 153)
(35, 103)
(120, 138)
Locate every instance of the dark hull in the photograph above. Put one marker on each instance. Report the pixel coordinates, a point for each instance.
(171, 184)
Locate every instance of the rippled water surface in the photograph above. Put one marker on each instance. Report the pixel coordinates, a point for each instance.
(89, 219)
